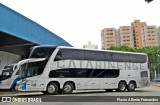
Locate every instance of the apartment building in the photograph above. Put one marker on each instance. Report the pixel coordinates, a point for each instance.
(137, 27)
(137, 35)
(126, 36)
(108, 37)
(150, 35)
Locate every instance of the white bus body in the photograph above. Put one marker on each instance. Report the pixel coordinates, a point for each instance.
(8, 75)
(69, 69)
(8, 78)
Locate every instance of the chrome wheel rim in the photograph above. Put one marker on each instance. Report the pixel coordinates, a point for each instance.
(131, 86)
(122, 87)
(51, 89)
(67, 88)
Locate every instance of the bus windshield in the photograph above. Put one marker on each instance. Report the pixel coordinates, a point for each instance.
(6, 73)
(30, 69)
(21, 70)
(40, 52)
(28, 53)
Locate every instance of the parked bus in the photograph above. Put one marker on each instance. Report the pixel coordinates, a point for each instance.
(40, 52)
(9, 76)
(68, 69)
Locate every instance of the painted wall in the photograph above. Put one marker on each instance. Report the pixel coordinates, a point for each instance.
(8, 58)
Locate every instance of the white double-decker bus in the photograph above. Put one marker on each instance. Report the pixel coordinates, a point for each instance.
(68, 69)
(9, 75)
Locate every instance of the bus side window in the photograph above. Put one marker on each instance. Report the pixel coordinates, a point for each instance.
(73, 54)
(106, 73)
(69, 54)
(53, 73)
(144, 74)
(120, 57)
(94, 55)
(59, 56)
(60, 73)
(112, 73)
(135, 58)
(108, 56)
(97, 73)
(81, 72)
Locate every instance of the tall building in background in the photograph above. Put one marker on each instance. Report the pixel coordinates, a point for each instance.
(126, 36)
(137, 27)
(91, 46)
(137, 35)
(118, 37)
(108, 37)
(150, 35)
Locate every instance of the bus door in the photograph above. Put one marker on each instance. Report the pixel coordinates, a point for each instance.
(34, 70)
(81, 79)
(29, 84)
(111, 83)
(88, 83)
(108, 78)
(31, 80)
(93, 81)
(86, 80)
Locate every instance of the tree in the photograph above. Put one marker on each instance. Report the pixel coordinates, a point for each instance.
(122, 48)
(148, 1)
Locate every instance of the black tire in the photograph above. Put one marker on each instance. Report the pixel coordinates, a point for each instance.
(68, 88)
(131, 86)
(108, 90)
(122, 87)
(52, 89)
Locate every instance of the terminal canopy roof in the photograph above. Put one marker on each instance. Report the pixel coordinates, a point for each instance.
(18, 33)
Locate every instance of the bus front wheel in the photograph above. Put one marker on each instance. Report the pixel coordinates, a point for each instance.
(52, 88)
(131, 86)
(68, 88)
(122, 86)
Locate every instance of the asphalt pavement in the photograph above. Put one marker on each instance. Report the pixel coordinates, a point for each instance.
(91, 97)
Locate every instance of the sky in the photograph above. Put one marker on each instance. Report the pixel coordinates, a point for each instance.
(80, 21)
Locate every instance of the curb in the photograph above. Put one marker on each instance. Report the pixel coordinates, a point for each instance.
(158, 85)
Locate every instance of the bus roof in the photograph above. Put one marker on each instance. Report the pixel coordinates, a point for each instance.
(50, 46)
(101, 50)
(89, 49)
